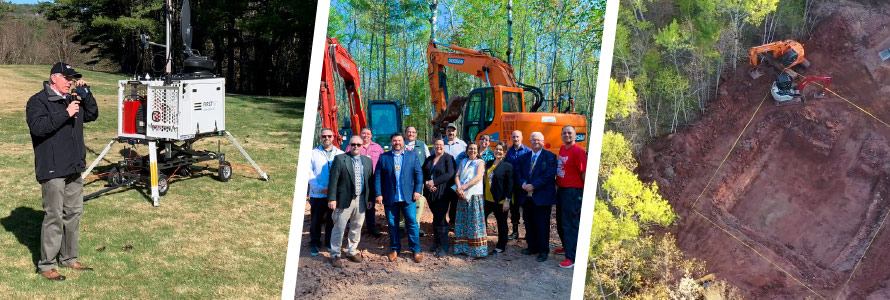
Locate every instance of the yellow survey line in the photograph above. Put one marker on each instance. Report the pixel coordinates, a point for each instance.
(734, 144)
(881, 226)
(758, 253)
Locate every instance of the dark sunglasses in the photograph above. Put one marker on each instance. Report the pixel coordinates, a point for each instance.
(327, 136)
(356, 144)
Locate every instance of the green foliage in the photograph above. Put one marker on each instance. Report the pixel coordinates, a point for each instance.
(110, 26)
(633, 199)
(616, 152)
(643, 268)
(622, 99)
(673, 38)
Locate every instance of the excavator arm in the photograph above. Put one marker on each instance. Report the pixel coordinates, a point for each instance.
(491, 70)
(337, 60)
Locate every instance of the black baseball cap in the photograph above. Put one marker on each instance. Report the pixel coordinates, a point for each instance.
(64, 69)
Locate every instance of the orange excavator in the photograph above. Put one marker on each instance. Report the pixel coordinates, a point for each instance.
(499, 108)
(781, 55)
(386, 113)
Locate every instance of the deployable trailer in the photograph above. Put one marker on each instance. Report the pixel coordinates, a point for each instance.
(169, 118)
(169, 114)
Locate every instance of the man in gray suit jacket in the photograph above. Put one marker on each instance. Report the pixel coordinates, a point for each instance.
(350, 185)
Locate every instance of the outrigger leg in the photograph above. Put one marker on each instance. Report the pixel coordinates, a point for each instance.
(95, 162)
(255, 166)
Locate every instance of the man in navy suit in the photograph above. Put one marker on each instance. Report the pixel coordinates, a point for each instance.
(538, 172)
(398, 182)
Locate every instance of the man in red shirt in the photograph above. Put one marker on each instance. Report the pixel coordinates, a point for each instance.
(570, 169)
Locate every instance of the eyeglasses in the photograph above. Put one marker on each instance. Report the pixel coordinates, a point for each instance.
(327, 136)
(356, 144)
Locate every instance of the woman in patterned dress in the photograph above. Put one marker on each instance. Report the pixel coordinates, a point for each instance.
(469, 229)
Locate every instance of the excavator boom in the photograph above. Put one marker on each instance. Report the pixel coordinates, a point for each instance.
(491, 70)
(337, 60)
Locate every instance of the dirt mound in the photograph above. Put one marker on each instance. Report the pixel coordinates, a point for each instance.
(807, 186)
(509, 274)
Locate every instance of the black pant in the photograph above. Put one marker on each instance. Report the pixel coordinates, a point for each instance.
(320, 213)
(371, 218)
(452, 205)
(570, 203)
(559, 231)
(440, 224)
(537, 226)
(514, 209)
(501, 216)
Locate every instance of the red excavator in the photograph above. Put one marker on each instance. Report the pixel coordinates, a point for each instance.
(784, 93)
(386, 113)
(499, 108)
(781, 55)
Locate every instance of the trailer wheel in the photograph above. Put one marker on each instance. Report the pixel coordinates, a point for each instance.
(115, 177)
(163, 185)
(224, 171)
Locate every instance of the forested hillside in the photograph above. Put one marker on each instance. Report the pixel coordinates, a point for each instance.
(670, 58)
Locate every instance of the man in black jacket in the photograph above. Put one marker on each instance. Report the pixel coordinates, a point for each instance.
(350, 184)
(55, 118)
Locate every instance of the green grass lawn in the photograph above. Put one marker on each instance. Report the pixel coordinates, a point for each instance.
(207, 239)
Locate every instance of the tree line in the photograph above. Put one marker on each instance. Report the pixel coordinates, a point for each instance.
(261, 47)
(552, 41)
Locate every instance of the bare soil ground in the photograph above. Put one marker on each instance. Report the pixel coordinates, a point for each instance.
(506, 275)
(807, 186)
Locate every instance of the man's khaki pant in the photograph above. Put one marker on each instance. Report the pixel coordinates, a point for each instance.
(420, 206)
(63, 203)
(354, 215)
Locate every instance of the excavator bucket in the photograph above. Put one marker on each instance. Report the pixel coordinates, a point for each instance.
(452, 113)
(755, 73)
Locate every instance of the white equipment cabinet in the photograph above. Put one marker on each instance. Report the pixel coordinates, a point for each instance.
(179, 111)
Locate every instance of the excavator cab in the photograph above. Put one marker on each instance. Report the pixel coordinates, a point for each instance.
(480, 111)
(384, 118)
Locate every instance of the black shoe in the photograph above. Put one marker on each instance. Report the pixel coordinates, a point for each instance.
(376, 233)
(515, 234)
(542, 257)
(422, 233)
(526, 251)
(313, 251)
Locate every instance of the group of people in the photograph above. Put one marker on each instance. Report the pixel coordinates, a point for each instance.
(462, 183)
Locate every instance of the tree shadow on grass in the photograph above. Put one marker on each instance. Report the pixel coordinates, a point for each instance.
(25, 224)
